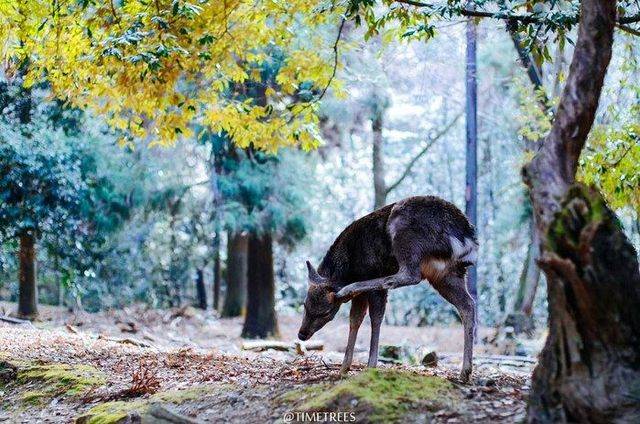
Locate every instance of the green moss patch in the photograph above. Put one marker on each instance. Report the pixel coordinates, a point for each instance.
(62, 378)
(114, 412)
(582, 206)
(35, 383)
(376, 395)
(34, 396)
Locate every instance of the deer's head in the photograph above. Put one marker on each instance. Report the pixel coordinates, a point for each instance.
(320, 305)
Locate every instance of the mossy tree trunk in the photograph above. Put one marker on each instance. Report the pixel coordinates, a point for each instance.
(260, 321)
(589, 368)
(28, 290)
(235, 296)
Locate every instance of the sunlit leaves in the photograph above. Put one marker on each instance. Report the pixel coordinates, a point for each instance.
(535, 121)
(153, 69)
(612, 162)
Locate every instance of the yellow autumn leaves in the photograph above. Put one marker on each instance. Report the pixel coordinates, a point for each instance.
(157, 69)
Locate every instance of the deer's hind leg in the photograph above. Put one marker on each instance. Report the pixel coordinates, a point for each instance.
(356, 316)
(452, 286)
(409, 249)
(377, 305)
(406, 276)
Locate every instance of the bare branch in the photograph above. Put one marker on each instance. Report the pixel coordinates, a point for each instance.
(335, 59)
(629, 30)
(425, 149)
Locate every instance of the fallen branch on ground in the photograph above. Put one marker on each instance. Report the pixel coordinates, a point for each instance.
(297, 346)
(133, 342)
(17, 321)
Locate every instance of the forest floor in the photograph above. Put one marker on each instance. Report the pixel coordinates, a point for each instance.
(184, 365)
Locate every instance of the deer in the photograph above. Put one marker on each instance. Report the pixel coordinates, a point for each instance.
(401, 244)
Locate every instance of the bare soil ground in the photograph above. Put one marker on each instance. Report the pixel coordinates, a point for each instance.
(190, 363)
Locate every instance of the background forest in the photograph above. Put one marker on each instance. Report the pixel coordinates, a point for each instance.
(167, 167)
(118, 223)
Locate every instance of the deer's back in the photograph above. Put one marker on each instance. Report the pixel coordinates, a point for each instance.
(368, 247)
(362, 251)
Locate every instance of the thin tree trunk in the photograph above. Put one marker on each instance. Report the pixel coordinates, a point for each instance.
(588, 369)
(520, 317)
(379, 185)
(260, 321)
(217, 271)
(532, 275)
(471, 191)
(234, 301)
(201, 289)
(28, 290)
(215, 170)
(56, 266)
(522, 281)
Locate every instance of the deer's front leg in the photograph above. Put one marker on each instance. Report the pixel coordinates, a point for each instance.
(400, 279)
(356, 315)
(377, 304)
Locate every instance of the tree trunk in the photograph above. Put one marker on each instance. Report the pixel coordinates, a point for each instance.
(520, 317)
(201, 289)
(471, 191)
(379, 185)
(215, 170)
(235, 297)
(532, 274)
(217, 271)
(260, 321)
(588, 369)
(28, 291)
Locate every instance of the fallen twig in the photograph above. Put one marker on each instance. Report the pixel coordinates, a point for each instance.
(124, 341)
(299, 347)
(17, 321)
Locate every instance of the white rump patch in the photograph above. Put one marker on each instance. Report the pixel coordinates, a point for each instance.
(467, 251)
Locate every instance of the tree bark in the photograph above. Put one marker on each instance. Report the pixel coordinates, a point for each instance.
(520, 317)
(217, 271)
(532, 275)
(234, 301)
(28, 290)
(471, 191)
(260, 321)
(379, 184)
(588, 370)
(589, 367)
(553, 169)
(201, 290)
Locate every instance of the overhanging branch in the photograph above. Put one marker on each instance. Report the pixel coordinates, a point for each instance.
(525, 19)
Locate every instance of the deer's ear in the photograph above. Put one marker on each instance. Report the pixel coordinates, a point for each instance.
(314, 277)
